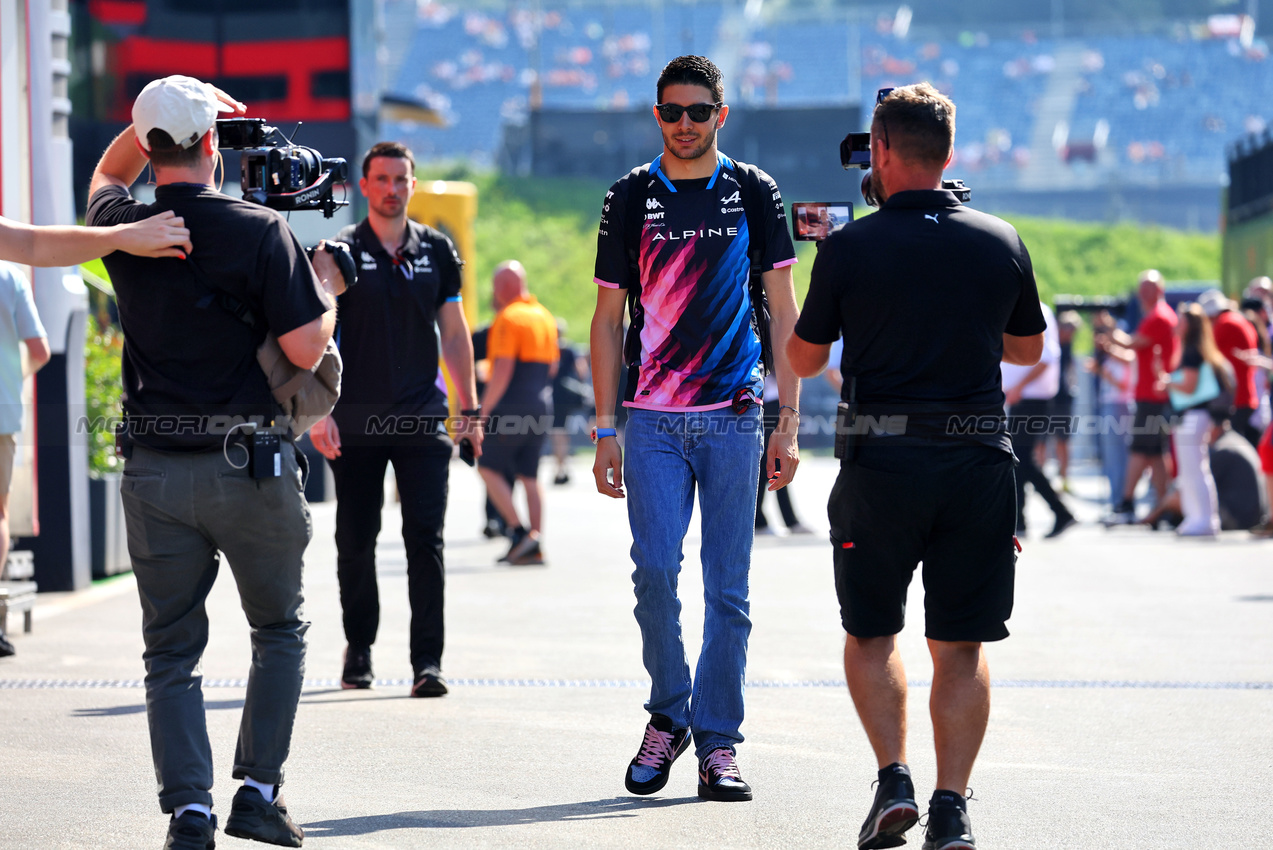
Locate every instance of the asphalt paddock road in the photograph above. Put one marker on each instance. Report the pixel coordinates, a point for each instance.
(1131, 704)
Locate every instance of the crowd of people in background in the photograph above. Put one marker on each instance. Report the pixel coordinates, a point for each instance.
(1192, 384)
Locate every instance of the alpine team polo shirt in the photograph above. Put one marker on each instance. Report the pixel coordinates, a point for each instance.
(698, 346)
(387, 333)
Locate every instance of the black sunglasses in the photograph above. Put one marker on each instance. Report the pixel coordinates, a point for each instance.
(670, 113)
(879, 98)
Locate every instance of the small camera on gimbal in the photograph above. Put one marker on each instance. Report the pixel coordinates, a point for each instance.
(278, 174)
(855, 152)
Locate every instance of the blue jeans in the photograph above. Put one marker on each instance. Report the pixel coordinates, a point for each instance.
(1114, 447)
(667, 456)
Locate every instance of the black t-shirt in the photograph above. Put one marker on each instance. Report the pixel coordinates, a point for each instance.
(387, 334)
(922, 292)
(189, 366)
(693, 244)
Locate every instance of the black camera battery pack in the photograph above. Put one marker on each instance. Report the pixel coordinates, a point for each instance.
(267, 455)
(846, 414)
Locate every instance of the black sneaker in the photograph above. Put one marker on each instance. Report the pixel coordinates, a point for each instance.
(1063, 524)
(893, 812)
(429, 683)
(6, 648)
(719, 779)
(648, 772)
(253, 818)
(192, 831)
(529, 554)
(521, 541)
(948, 824)
(357, 674)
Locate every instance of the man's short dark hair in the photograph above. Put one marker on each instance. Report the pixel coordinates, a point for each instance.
(393, 150)
(692, 71)
(165, 153)
(919, 123)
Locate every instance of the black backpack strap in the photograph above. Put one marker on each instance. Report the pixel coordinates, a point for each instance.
(634, 216)
(751, 187)
(213, 294)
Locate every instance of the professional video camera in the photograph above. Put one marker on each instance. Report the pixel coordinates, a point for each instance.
(855, 152)
(278, 174)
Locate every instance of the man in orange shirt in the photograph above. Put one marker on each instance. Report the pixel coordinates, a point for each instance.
(522, 348)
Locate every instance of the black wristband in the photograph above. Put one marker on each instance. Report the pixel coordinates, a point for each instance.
(472, 411)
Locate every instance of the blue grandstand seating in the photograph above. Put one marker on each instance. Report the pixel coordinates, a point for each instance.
(1170, 103)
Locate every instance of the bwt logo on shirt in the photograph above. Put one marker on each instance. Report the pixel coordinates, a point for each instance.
(652, 204)
(654, 216)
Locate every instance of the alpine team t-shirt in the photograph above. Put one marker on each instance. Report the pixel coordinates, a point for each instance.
(694, 316)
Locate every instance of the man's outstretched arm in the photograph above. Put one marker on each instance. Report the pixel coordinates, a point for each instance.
(163, 235)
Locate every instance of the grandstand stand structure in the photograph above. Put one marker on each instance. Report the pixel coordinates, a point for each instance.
(1036, 113)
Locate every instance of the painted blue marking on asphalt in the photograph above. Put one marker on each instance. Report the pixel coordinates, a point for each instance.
(321, 684)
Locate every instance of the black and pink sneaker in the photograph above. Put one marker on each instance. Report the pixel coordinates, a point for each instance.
(893, 812)
(648, 772)
(719, 779)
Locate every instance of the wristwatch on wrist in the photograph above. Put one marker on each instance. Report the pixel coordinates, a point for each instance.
(602, 433)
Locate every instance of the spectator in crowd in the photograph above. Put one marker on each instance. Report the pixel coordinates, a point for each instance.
(1241, 484)
(495, 526)
(694, 368)
(189, 493)
(1029, 391)
(1154, 348)
(393, 405)
(1254, 312)
(1202, 378)
(19, 323)
(572, 392)
(1238, 342)
(788, 511)
(1114, 406)
(522, 348)
(1062, 407)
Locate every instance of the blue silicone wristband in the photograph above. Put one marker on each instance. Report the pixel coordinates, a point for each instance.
(602, 433)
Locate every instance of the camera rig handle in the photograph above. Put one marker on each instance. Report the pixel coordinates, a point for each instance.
(318, 195)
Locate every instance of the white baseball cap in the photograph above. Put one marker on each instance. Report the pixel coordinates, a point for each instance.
(182, 107)
(1213, 302)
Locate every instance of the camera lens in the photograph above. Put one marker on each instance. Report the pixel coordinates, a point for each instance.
(868, 191)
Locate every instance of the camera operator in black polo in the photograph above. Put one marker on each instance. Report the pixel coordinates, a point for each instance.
(191, 385)
(929, 296)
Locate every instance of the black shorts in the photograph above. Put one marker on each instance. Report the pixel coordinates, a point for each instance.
(1150, 434)
(952, 507)
(512, 454)
(1060, 409)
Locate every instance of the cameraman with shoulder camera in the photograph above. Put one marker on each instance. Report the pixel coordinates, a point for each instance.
(929, 296)
(195, 401)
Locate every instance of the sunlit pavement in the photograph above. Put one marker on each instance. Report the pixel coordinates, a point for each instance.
(1131, 707)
